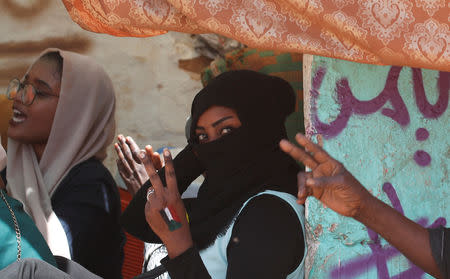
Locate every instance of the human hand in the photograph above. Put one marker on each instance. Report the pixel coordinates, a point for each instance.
(164, 210)
(130, 165)
(328, 180)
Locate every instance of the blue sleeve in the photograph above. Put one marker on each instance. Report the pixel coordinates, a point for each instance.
(89, 211)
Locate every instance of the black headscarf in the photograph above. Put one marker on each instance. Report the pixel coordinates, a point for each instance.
(246, 161)
(238, 165)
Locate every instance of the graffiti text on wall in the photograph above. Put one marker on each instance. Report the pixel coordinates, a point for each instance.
(349, 105)
(380, 255)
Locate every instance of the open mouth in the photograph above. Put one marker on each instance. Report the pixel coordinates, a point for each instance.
(18, 116)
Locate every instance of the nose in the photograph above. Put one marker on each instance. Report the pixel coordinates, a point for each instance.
(17, 98)
(212, 137)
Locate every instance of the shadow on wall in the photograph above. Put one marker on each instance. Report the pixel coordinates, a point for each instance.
(18, 50)
(20, 11)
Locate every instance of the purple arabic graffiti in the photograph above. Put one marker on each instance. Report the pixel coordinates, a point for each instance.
(428, 110)
(380, 255)
(349, 105)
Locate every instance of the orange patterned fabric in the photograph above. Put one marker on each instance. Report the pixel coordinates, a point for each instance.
(413, 33)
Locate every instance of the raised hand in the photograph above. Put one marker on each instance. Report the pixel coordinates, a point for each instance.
(130, 165)
(328, 180)
(164, 210)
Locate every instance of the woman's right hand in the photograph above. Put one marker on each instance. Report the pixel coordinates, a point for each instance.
(328, 180)
(130, 165)
(164, 211)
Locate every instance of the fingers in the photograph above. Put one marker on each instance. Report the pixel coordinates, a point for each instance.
(318, 185)
(157, 162)
(125, 149)
(156, 159)
(121, 168)
(318, 153)
(302, 191)
(298, 154)
(122, 161)
(135, 150)
(171, 179)
(151, 171)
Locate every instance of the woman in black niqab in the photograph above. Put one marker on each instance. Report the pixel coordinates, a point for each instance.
(238, 166)
(248, 160)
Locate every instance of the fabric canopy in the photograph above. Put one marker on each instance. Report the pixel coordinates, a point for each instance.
(412, 33)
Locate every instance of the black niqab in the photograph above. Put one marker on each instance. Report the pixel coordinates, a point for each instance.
(246, 161)
(238, 165)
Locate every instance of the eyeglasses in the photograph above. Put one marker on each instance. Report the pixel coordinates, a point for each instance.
(28, 92)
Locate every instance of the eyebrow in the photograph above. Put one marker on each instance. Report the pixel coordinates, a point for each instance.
(41, 82)
(216, 123)
(221, 120)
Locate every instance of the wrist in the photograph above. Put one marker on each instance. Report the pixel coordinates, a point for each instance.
(367, 208)
(177, 244)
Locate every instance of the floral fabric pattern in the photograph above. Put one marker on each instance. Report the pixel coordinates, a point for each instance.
(412, 33)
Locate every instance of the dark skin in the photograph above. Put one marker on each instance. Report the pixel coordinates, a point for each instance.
(35, 121)
(329, 182)
(212, 124)
(130, 165)
(216, 122)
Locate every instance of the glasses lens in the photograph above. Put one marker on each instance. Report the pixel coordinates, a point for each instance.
(13, 88)
(28, 95)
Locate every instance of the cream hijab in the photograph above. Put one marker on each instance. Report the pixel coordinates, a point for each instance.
(82, 128)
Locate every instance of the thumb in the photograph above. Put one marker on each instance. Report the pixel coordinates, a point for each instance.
(303, 193)
(318, 185)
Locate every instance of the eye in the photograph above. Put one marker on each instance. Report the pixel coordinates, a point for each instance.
(226, 130)
(202, 137)
(42, 93)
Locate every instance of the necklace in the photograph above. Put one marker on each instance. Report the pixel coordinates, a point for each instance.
(16, 225)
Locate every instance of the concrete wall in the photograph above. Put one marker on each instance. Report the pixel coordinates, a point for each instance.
(153, 94)
(389, 126)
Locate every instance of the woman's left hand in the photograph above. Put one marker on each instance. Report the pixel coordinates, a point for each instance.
(164, 210)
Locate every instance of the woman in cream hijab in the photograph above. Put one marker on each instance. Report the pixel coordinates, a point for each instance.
(63, 121)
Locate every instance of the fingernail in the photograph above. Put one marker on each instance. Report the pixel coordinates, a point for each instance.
(142, 155)
(148, 149)
(166, 152)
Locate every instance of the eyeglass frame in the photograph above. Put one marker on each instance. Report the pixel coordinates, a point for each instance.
(21, 87)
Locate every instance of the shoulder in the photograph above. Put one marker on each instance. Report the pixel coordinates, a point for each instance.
(271, 216)
(264, 206)
(89, 178)
(267, 225)
(88, 171)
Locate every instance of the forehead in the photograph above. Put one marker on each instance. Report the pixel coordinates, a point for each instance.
(46, 71)
(214, 113)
